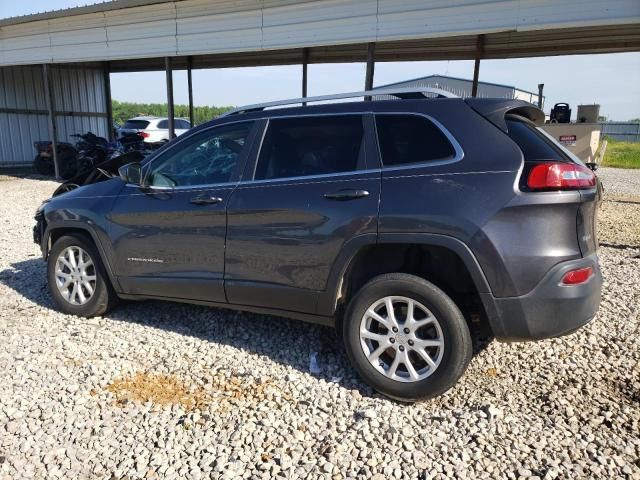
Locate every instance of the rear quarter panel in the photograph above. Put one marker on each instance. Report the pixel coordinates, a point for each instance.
(516, 237)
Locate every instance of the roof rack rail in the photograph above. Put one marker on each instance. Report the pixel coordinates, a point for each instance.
(401, 93)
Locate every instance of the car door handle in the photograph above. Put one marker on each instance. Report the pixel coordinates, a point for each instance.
(341, 195)
(205, 200)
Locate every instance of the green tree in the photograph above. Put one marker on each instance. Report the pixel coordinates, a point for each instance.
(122, 111)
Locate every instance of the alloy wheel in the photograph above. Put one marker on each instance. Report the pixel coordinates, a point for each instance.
(402, 339)
(75, 275)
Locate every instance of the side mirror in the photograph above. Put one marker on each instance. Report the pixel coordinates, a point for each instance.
(131, 173)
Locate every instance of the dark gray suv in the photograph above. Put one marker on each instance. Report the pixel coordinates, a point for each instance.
(399, 221)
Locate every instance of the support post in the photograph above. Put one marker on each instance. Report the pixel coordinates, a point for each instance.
(170, 115)
(540, 89)
(476, 66)
(190, 88)
(106, 70)
(305, 63)
(371, 63)
(48, 96)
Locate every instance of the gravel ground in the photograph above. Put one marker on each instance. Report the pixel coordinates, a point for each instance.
(234, 396)
(620, 182)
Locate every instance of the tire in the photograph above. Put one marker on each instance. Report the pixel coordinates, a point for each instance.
(103, 297)
(450, 332)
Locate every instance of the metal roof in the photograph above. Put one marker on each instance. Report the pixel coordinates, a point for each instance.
(104, 6)
(136, 34)
(460, 79)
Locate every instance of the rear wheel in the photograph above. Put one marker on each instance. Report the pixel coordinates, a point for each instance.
(406, 337)
(77, 279)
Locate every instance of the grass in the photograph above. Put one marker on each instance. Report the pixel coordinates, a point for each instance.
(621, 154)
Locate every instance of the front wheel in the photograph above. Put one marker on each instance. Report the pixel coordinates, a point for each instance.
(77, 278)
(406, 337)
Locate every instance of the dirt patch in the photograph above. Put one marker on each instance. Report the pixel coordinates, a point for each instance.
(234, 391)
(157, 388)
(225, 391)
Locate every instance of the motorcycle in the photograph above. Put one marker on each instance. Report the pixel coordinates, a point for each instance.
(88, 152)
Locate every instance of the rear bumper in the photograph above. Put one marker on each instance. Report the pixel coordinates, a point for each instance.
(550, 309)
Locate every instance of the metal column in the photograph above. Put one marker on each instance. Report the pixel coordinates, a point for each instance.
(305, 63)
(170, 115)
(106, 68)
(371, 62)
(48, 96)
(540, 89)
(476, 66)
(190, 88)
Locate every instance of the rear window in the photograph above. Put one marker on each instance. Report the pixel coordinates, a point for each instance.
(297, 147)
(534, 145)
(136, 124)
(406, 139)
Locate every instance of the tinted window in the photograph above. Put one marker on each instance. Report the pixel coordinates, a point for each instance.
(208, 157)
(163, 124)
(183, 124)
(295, 147)
(411, 139)
(533, 144)
(136, 124)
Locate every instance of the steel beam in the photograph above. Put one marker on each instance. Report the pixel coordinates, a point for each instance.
(305, 64)
(476, 66)
(190, 88)
(371, 63)
(107, 98)
(540, 90)
(48, 96)
(169, 75)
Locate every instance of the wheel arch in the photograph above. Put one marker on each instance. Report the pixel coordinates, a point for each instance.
(367, 248)
(55, 231)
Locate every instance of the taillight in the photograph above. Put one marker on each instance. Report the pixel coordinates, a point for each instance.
(560, 176)
(143, 134)
(576, 277)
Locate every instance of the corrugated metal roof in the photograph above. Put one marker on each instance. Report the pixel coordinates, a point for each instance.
(128, 29)
(412, 80)
(104, 6)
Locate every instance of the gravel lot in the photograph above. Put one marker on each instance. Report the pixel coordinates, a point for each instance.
(234, 395)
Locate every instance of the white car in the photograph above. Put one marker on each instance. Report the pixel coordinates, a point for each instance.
(154, 129)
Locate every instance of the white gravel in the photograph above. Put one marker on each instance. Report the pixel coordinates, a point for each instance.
(620, 182)
(564, 408)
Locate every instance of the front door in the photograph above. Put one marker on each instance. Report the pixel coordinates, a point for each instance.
(169, 234)
(314, 188)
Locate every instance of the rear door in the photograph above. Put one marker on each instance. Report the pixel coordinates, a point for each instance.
(169, 236)
(315, 186)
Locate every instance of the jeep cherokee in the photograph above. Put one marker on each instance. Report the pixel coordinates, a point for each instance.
(398, 221)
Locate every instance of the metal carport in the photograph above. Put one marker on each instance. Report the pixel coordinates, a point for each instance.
(136, 35)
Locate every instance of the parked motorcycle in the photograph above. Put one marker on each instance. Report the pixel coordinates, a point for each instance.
(88, 152)
(67, 158)
(100, 172)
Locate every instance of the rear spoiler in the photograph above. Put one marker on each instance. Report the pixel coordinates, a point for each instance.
(495, 109)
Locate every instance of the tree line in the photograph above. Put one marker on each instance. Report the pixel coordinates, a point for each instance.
(122, 111)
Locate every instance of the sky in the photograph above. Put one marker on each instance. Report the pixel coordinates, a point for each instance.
(611, 80)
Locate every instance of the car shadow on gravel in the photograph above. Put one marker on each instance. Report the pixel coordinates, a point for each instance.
(305, 347)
